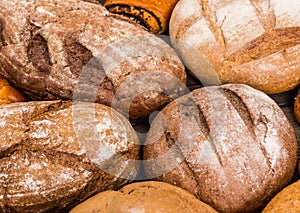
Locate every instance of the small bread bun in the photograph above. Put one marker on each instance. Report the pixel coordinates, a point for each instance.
(288, 200)
(8, 94)
(297, 106)
(149, 196)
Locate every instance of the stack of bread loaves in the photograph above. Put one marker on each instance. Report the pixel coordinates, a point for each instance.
(88, 73)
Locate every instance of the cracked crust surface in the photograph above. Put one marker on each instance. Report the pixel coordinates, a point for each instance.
(77, 49)
(231, 146)
(255, 42)
(55, 154)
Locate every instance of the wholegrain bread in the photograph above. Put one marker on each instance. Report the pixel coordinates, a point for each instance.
(77, 50)
(147, 197)
(55, 154)
(297, 107)
(240, 41)
(231, 146)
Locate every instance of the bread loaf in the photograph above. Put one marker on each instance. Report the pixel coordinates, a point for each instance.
(288, 200)
(231, 146)
(77, 50)
(148, 196)
(55, 154)
(240, 41)
(297, 107)
(153, 14)
(8, 94)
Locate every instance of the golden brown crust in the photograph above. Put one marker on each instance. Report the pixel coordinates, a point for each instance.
(9, 94)
(149, 196)
(153, 14)
(297, 107)
(288, 200)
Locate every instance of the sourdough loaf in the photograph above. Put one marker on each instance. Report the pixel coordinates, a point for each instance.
(77, 50)
(231, 146)
(148, 196)
(256, 42)
(55, 154)
(9, 94)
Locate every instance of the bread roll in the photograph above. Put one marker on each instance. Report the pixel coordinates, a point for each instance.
(77, 50)
(56, 154)
(240, 41)
(288, 200)
(231, 146)
(153, 14)
(147, 197)
(297, 107)
(8, 94)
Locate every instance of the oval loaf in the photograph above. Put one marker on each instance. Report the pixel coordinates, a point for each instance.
(75, 49)
(55, 154)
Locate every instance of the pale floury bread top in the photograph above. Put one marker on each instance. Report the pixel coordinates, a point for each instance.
(77, 50)
(240, 41)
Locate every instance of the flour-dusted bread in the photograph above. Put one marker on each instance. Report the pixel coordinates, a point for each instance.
(147, 197)
(55, 154)
(240, 41)
(76, 49)
(231, 146)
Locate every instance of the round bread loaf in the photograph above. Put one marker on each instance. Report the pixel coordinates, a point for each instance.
(9, 94)
(231, 146)
(288, 200)
(240, 41)
(297, 107)
(74, 49)
(147, 197)
(55, 154)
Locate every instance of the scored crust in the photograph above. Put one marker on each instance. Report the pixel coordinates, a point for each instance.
(231, 146)
(77, 50)
(55, 154)
(251, 42)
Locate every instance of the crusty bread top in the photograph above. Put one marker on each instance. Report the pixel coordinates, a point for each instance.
(148, 196)
(54, 154)
(244, 41)
(77, 50)
(231, 146)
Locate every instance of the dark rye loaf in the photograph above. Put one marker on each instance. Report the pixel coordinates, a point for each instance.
(77, 50)
(231, 146)
(55, 154)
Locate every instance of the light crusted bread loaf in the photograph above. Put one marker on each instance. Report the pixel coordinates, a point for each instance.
(144, 197)
(9, 94)
(288, 200)
(256, 42)
(231, 146)
(77, 50)
(55, 154)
